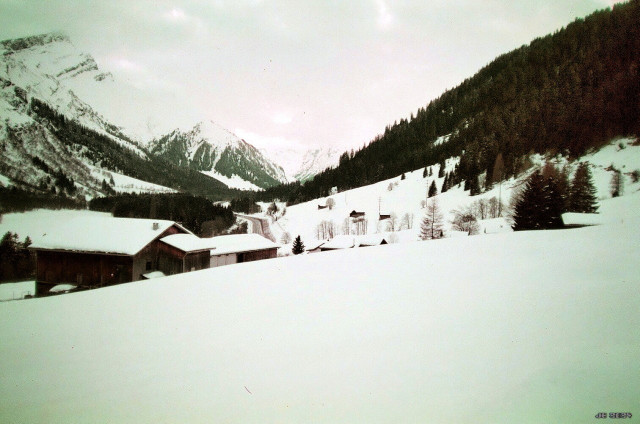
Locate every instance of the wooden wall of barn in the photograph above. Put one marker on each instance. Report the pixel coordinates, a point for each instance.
(156, 256)
(257, 255)
(82, 269)
(196, 261)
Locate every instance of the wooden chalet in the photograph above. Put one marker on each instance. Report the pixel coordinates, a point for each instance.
(89, 252)
(356, 215)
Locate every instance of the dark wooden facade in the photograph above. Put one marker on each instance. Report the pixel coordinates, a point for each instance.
(174, 261)
(257, 255)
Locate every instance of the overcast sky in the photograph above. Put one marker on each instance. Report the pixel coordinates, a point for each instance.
(296, 72)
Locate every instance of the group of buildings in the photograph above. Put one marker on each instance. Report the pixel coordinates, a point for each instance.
(90, 252)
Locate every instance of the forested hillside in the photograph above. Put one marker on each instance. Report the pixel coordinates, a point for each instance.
(563, 93)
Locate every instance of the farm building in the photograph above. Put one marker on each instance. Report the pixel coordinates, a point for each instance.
(184, 253)
(95, 251)
(90, 252)
(237, 248)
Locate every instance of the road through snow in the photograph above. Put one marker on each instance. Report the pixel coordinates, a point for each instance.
(259, 226)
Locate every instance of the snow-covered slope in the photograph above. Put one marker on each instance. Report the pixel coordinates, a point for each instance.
(404, 199)
(214, 150)
(524, 327)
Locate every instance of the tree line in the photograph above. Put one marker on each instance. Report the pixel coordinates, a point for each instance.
(197, 214)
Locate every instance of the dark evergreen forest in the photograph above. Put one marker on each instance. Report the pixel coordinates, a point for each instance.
(564, 93)
(195, 213)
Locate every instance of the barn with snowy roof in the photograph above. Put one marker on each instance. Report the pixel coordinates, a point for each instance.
(90, 252)
(238, 248)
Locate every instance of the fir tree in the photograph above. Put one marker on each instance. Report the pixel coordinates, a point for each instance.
(425, 172)
(402, 177)
(433, 190)
(298, 246)
(441, 170)
(445, 183)
(539, 206)
(582, 195)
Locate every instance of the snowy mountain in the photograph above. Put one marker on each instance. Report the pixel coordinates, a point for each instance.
(302, 164)
(315, 161)
(217, 152)
(72, 91)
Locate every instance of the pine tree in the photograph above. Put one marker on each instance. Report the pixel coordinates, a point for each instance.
(431, 225)
(540, 205)
(582, 194)
(433, 190)
(441, 170)
(445, 183)
(298, 246)
(527, 215)
(425, 172)
(402, 177)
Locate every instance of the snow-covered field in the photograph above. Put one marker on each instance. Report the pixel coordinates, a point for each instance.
(125, 184)
(17, 291)
(233, 182)
(524, 327)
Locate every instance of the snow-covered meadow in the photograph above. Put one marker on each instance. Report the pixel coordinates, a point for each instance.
(522, 327)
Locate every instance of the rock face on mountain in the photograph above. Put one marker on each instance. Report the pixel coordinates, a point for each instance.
(214, 150)
(51, 93)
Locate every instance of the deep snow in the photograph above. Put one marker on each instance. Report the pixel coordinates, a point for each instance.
(522, 327)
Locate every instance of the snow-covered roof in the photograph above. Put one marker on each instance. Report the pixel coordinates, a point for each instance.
(189, 242)
(370, 240)
(580, 219)
(61, 288)
(237, 243)
(124, 236)
(340, 242)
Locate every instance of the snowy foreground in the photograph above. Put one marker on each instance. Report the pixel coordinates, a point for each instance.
(526, 327)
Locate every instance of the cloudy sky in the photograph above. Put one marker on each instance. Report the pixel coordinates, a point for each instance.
(289, 73)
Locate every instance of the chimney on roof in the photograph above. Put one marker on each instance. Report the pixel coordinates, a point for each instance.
(156, 226)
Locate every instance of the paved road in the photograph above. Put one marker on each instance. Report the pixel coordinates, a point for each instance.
(259, 226)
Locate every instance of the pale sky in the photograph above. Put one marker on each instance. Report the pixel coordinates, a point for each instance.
(289, 73)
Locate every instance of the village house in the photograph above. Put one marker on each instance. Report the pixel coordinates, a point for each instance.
(92, 252)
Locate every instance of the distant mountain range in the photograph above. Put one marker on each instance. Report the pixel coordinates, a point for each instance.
(72, 94)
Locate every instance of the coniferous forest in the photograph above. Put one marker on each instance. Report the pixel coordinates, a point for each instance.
(195, 213)
(563, 93)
